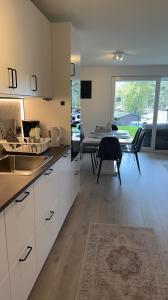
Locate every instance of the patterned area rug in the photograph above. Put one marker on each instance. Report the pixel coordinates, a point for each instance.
(122, 263)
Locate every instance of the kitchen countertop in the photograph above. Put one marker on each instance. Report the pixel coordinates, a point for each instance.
(11, 185)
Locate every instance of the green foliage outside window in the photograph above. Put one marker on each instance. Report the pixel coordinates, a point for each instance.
(75, 94)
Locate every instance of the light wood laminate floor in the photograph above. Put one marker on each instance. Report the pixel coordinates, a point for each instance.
(140, 201)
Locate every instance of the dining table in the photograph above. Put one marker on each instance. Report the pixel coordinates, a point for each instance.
(94, 138)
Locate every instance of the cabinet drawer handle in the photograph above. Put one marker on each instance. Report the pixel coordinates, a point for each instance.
(11, 83)
(49, 172)
(66, 154)
(16, 84)
(35, 78)
(24, 197)
(51, 215)
(29, 250)
(72, 69)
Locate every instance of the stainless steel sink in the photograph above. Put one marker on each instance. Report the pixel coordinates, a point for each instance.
(22, 164)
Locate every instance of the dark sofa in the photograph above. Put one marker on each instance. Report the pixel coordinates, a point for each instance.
(161, 136)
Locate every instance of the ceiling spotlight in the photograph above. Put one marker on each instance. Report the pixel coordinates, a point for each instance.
(118, 56)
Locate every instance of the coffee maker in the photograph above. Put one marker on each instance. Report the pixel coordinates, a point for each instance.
(28, 125)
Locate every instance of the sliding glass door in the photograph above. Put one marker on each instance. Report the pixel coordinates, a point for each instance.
(142, 101)
(161, 142)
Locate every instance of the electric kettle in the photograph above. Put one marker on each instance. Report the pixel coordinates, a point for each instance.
(55, 135)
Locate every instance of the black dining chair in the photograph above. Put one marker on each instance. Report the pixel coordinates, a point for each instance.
(136, 146)
(109, 149)
(136, 136)
(125, 147)
(89, 149)
(114, 127)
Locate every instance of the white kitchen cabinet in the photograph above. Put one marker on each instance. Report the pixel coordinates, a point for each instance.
(45, 196)
(66, 58)
(67, 163)
(46, 214)
(64, 53)
(31, 223)
(75, 177)
(19, 218)
(46, 235)
(5, 289)
(63, 177)
(3, 249)
(10, 51)
(45, 59)
(75, 54)
(38, 40)
(25, 49)
(23, 272)
(52, 194)
(53, 189)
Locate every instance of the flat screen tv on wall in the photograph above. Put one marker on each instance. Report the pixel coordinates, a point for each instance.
(86, 89)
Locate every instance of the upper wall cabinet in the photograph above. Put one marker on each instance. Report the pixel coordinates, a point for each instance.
(75, 54)
(66, 59)
(25, 60)
(63, 36)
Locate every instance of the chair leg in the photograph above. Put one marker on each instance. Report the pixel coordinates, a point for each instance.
(98, 175)
(96, 155)
(137, 160)
(95, 159)
(119, 161)
(91, 154)
(118, 169)
(81, 151)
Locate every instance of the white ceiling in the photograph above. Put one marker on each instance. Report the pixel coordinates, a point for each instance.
(137, 27)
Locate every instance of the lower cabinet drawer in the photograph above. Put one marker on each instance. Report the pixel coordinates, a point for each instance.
(75, 181)
(19, 219)
(44, 195)
(45, 237)
(23, 273)
(5, 289)
(77, 163)
(3, 249)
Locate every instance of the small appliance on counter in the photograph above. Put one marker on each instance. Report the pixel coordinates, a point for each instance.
(55, 134)
(29, 125)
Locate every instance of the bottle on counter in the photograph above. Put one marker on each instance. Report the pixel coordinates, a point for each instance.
(37, 132)
(32, 133)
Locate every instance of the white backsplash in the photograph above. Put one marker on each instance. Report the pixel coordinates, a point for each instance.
(11, 114)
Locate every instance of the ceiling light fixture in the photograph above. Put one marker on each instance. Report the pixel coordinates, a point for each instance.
(118, 56)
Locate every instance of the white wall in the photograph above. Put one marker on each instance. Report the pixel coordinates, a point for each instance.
(97, 110)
